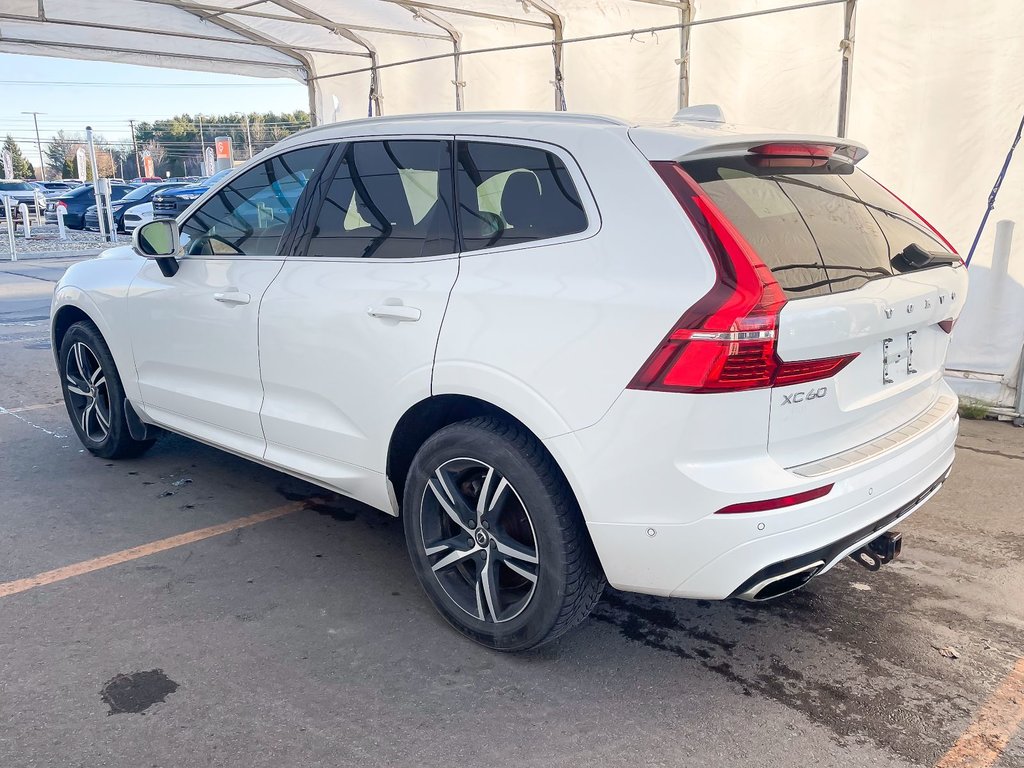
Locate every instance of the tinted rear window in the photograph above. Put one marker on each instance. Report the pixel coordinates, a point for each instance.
(820, 230)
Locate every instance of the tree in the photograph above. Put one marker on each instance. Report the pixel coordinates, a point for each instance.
(60, 155)
(22, 168)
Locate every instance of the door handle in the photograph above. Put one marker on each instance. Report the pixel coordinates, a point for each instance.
(398, 312)
(232, 297)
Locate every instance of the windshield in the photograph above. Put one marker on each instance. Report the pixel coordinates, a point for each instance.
(15, 186)
(140, 192)
(216, 177)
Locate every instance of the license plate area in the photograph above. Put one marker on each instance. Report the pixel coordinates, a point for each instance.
(898, 358)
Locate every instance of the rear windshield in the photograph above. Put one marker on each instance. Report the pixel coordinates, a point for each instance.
(821, 229)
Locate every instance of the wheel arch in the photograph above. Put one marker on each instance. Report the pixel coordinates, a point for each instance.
(63, 319)
(426, 417)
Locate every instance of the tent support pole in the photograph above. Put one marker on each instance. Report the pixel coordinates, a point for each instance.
(846, 73)
(314, 117)
(686, 14)
(557, 38)
(454, 35)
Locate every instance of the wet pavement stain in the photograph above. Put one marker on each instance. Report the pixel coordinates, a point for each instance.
(867, 685)
(136, 692)
(332, 505)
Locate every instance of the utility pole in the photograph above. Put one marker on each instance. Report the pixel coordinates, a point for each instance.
(135, 144)
(248, 136)
(39, 144)
(202, 141)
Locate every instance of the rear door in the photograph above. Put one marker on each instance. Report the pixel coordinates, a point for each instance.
(349, 327)
(864, 275)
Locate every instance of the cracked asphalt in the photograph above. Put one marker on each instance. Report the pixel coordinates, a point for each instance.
(304, 640)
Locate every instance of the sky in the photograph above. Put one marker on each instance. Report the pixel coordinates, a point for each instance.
(66, 90)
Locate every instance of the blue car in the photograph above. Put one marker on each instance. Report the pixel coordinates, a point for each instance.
(167, 205)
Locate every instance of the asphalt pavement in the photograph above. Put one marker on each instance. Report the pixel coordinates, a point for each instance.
(300, 638)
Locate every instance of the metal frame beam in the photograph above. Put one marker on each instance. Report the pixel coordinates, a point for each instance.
(265, 43)
(139, 51)
(376, 97)
(468, 12)
(316, 20)
(456, 37)
(557, 37)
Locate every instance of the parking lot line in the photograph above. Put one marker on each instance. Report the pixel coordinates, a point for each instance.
(126, 555)
(36, 407)
(994, 724)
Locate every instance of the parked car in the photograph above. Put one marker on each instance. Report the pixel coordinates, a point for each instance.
(137, 215)
(54, 188)
(137, 196)
(77, 201)
(170, 204)
(146, 180)
(693, 361)
(17, 191)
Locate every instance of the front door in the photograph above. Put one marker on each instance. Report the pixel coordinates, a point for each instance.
(349, 327)
(194, 335)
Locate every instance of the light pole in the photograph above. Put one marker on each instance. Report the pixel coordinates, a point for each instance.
(39, 144)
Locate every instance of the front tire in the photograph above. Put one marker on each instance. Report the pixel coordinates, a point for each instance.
(94, 395)
(496, 537)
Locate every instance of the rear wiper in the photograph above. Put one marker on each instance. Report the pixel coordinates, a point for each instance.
(915, 257)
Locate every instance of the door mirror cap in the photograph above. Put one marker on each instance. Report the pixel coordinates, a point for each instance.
(157, 239)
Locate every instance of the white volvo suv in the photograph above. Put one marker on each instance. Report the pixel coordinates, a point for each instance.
(688, 360)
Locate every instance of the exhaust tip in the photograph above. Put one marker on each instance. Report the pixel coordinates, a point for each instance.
(779, 585)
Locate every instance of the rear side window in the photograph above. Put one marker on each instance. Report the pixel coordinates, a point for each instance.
(822, 229)
(512, 194)
(388, 200)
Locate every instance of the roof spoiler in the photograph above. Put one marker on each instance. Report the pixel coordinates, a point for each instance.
(852, 150)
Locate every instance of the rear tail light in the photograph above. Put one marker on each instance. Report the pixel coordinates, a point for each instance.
(779, 502)
(727, 341)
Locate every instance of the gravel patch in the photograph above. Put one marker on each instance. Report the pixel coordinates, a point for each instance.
(45, 240)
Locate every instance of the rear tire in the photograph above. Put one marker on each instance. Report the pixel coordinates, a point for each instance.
(496, 536)
(94, 395)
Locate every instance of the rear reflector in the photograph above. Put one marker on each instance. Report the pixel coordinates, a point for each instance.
(777, 503)
(947, 325)
(726, 341)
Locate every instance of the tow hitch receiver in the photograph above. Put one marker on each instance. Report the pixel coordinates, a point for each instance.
(882, 550)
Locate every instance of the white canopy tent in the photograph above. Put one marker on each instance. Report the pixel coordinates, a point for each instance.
(935, 88)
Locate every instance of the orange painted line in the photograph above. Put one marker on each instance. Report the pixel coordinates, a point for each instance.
(986, 737)
(126, 555)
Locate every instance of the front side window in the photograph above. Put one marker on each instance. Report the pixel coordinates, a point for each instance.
(249, 216)
(513, 194)
(388, 200)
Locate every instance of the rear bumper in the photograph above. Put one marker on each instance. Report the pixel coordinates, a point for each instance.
(650, 502)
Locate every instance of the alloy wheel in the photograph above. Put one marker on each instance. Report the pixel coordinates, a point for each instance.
(89, 396)
(479, 540)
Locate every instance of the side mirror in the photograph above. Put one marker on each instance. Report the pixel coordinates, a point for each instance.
(159, 240)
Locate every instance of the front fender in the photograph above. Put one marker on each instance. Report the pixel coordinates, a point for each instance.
(99, 289)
